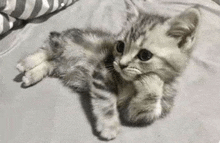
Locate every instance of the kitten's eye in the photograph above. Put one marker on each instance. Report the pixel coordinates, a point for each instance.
(145, 55)
(120, 46)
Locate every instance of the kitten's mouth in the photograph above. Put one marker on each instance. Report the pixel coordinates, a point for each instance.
(132, 71)
(127, 73)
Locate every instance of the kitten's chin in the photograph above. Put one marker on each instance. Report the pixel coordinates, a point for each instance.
(128, 77)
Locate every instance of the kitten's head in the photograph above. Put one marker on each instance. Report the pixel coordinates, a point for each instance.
(157, 45)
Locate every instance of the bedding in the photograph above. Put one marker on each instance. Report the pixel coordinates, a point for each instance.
(50, 112)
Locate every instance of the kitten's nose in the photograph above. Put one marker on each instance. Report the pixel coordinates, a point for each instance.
(124, 62)
(122, 66)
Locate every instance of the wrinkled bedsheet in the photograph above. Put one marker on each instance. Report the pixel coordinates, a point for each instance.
(48, 112)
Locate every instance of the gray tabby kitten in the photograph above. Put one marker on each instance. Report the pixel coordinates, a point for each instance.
(133, 75)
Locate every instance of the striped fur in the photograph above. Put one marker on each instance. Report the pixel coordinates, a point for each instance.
(120, 80)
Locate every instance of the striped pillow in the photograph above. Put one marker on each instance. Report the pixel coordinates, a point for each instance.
(11, 11)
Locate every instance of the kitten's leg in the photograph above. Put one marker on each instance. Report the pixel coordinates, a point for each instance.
(32, 60)
(105, 111)
(146, 106)
(36, 66)
(52, 48)
(41, 63)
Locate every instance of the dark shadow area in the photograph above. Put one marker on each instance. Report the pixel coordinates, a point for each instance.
(85, 100)
(139, 124)
(19, 25)
(18, 78)
(123, 114)
(23, 86)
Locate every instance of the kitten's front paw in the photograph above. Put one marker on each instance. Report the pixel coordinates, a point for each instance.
(108, 130)
(109, 133)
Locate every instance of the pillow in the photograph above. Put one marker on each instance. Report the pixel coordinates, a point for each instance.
(12, 12)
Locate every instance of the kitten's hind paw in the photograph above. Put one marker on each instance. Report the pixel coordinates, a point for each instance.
(31, 77)
(26, 81)
(20, 67)
(32, 61)
(37, 74)
(25, 65)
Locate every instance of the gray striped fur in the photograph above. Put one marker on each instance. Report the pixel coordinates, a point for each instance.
(140, 92)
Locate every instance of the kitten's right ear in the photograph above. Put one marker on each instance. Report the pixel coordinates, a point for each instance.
(184, 27)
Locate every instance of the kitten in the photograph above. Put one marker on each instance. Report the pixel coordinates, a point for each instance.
(132, 75)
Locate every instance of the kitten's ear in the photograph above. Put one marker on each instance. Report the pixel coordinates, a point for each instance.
(184, 27)
(132, 11)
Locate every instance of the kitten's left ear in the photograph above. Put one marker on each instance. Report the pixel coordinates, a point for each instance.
(184, 27)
